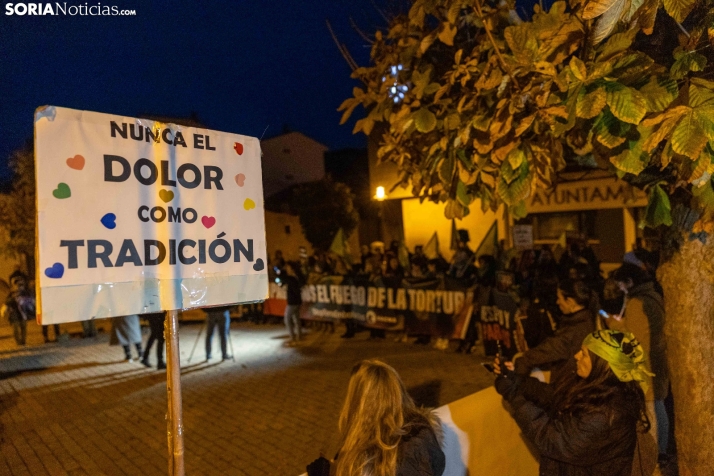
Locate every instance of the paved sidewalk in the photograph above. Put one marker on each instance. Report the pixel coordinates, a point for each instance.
(75, 408)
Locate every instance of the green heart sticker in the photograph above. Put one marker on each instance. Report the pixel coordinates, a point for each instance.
(62, 191)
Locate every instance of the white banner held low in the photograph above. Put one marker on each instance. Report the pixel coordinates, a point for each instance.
(139, 216)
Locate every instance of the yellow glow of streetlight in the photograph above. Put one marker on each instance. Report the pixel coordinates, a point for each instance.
(380, 195)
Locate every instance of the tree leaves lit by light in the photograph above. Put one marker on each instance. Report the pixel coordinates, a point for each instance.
(479, 105)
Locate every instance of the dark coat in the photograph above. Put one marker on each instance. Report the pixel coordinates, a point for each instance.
(597, 443)
(644, 317)
(20, 306)
(420, 452)
(559, 351)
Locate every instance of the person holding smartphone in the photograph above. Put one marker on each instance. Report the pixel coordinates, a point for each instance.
(588, 424)
(577, 321)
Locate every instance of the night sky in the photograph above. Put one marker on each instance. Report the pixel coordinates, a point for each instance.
(241, 66)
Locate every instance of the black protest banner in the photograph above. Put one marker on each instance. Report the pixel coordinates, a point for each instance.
(429, 307)
(498, 323)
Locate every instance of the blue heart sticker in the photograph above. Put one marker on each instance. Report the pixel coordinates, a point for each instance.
(109, 220)
(55, 272)
(259, 265)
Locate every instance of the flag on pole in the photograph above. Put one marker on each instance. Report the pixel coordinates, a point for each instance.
(341, 247)
(403, 255)
(431, 249)
(454, 236)
(489, 245)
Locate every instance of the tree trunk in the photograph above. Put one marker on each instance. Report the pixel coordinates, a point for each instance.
(688, 282)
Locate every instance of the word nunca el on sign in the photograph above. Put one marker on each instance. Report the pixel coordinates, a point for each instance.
(142, 133)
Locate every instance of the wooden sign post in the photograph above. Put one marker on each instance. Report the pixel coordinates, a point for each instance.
(174, 415)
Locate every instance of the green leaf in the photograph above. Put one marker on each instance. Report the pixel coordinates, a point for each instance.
(659, 93)
(688, 137)
(700, 96)
(659, 210)
(590, 104)
(686, 61)
(446, 171)
(481, 123)
(424, 120)
(609, 131)
(617, 43)
(519, 210)
(516, 157)
(577, 67)
(518, 188)
(632, 159)
(453, 121)
(462, 195)
(465, 159)
(625, 103)
(454, 209)
(679, 9)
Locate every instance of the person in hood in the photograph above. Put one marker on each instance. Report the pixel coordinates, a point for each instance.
(576, 322)
(589, 423)
(644, 316)
(382, 431)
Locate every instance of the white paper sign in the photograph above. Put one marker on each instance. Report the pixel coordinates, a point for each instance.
(138, 216)
(523, 237)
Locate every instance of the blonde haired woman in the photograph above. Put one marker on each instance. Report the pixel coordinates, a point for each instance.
(383, 433)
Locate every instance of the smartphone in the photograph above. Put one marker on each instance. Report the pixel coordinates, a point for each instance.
(604, 314)
(488, 366)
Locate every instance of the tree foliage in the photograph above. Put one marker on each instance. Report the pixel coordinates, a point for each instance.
(325, 206)
(480, 104)
(17, 208)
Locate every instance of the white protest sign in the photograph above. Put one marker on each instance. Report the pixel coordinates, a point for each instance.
(138, 216)
(523, 237)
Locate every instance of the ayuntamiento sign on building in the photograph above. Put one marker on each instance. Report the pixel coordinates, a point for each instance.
(586, 195)
(138, 216)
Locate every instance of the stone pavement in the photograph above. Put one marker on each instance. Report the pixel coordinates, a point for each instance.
(75, 408)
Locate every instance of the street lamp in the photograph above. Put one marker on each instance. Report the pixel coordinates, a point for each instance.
(380, 195)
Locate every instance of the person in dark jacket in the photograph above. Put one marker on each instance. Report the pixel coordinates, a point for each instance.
(292, 310)
(589, 424)
(220, 318)
(20, 306)
(383, 433)
(577, 321)
(644, 317)
(156, 324)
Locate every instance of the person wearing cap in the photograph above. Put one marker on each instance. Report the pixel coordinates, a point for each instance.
(589, 423)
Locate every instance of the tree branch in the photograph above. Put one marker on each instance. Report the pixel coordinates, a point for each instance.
(342, 48)
(506, 68)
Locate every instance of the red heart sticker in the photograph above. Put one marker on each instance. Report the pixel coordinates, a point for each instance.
(76, 162)
(208, 222)
(238, 148)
